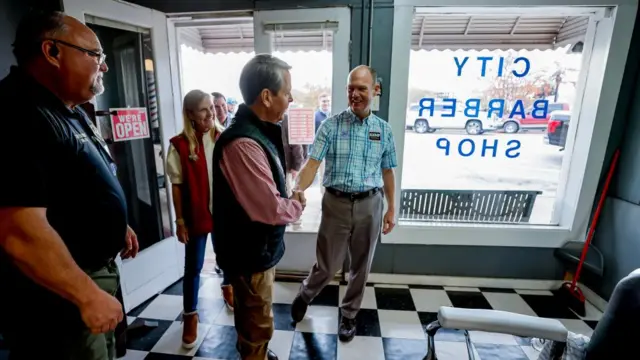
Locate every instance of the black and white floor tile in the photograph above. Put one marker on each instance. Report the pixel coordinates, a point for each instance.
(391, 324)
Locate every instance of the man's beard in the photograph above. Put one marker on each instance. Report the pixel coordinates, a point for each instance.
(97, 88)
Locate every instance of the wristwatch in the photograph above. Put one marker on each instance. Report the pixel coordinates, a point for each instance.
(179, 221)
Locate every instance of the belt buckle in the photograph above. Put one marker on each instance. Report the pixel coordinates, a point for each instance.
(352, 196)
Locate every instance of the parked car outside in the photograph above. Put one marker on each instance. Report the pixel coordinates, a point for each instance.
(513, 125)
(557, 128)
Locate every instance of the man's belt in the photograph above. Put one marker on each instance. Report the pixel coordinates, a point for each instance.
(353, 196)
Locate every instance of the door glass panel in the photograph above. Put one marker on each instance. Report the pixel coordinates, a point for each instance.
(309, 52)
(213, 63)
(130, 83)
(211, 59)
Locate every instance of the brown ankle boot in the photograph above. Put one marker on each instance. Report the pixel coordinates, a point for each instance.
(227, 295)
(189, 330)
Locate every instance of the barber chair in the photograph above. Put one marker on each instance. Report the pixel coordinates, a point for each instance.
(497, 322)
(615, 336)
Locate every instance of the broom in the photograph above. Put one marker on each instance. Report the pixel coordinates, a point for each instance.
(569, 291)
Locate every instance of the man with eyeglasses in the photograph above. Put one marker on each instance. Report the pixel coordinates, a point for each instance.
(63, 214)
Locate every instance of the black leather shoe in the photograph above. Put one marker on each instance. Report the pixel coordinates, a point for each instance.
(298, 309)
(271, 355)
(347, 329)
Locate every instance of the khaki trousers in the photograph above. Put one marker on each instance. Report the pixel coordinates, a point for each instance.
(253, 298)
(57, 332)
(347, 228)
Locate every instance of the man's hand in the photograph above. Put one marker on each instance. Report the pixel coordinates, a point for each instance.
(101, 313)
(299, 196)
(131, 245)
(389, 221)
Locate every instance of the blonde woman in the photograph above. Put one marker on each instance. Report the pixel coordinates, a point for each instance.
(189, 169)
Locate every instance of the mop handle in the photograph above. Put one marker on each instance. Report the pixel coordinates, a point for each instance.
(592, 229)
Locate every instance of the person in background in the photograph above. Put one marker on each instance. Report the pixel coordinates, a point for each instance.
(360, 157)
(324, 109)
(294, 159)
(231, 106)
(322, 113)
(223, 115)
(189, 170)
(63, 214)
(250, 204)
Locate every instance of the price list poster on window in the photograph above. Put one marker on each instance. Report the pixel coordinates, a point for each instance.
(301, 126)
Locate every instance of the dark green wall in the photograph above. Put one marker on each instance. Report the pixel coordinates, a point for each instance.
(618, 233)
(10, 13)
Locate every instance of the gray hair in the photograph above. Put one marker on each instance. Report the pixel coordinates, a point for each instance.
(264, 71)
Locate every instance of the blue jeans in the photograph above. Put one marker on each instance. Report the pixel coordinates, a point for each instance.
(193, 263)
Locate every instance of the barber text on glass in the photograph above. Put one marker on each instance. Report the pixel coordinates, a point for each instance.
(492, 110)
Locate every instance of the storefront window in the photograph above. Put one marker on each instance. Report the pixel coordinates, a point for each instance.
(487, 124)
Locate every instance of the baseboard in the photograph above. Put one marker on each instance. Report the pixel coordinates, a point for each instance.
(476, 282)
(151, 288)
(593, 298)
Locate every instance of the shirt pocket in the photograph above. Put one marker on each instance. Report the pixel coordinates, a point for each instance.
(376, 148)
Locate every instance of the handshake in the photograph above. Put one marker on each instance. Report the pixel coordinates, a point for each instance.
(298, 195)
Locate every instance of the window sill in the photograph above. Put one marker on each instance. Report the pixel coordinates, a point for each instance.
(303, 229)
(460, 234)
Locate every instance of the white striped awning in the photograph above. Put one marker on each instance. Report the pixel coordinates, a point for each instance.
(430, 31)
(236, 35)
(495, 32)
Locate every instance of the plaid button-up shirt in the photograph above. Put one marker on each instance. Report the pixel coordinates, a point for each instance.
(355, 151)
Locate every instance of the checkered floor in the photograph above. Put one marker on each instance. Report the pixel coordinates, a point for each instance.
(390, 325)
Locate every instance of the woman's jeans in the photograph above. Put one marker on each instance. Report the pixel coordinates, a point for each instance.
(193, 263)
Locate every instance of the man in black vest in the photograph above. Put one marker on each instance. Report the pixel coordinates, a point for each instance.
(250, 204)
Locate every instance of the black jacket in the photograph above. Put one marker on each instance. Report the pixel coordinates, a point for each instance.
(243, 246)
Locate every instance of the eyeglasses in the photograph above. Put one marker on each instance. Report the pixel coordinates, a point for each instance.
(98, 55)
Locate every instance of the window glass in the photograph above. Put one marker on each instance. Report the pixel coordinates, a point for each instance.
(214, 65)
(311, 75)
(489, 153)
(311, 78)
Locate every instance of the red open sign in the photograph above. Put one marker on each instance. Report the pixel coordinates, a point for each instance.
(129, 124)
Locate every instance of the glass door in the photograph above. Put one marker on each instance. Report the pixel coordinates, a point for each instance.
(211, 52)
(135, 40)
(316, 44)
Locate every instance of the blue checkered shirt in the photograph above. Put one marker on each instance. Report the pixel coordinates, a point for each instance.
(355, 151)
